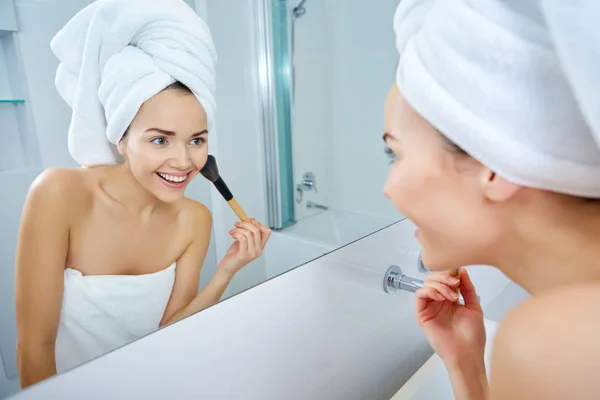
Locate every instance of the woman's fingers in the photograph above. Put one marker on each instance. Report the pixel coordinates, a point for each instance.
(254, 244)
(251, 228)
(443, 289)
(429, 293)
(468, 292)
(247, 244)
(445, 278)
(265, 232)
(426, 295)
(443, 281)
(242, 246)
(255, 237)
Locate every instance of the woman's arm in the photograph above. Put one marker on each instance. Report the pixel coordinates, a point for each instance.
(40, 263)
(468, 379)
(208, 296)
(189, 265)
(456, 332)
(250, 239)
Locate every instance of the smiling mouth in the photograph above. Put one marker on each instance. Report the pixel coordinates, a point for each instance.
(173, 180)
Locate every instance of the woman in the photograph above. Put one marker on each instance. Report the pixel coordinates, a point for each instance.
(114, 251)
(494, 129)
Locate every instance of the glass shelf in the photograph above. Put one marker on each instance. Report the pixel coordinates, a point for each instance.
(12, 101)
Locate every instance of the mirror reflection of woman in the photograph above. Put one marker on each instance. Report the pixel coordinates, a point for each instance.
(493, 126)
(112, 252)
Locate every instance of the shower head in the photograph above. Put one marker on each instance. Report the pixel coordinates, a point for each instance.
(299, 10)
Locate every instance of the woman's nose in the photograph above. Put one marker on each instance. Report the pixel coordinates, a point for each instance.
(181, 159)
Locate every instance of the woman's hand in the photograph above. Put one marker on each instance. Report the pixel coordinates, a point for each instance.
(456, 332)
(250, 240)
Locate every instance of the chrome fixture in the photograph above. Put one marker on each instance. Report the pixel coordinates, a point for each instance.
(307, 183)
(299, 10)
(310, 204)
(394, 281)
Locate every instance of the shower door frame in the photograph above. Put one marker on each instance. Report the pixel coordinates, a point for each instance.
(276, 108)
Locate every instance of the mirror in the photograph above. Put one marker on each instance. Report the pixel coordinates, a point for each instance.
(296, 141)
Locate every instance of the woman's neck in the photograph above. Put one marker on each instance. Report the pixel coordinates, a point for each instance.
(554, 246)
(120, 184)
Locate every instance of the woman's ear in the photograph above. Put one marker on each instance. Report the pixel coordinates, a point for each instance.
(121, 145)
(496, 188)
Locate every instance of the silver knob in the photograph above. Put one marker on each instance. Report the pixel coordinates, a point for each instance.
(394, 280)
(309, 182)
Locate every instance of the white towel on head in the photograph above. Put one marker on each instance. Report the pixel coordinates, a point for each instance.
(488, 75)
(115, 55)
(409, 18)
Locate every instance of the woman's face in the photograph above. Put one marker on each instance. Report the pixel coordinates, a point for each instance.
(440, 190)
(166, 144)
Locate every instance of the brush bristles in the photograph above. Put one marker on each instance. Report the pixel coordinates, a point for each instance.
(210, 170)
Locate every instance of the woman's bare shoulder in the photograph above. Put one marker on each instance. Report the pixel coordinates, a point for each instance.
(69, 185)
(59, 178)
(549, 347)
(194, 210)
(195, 218)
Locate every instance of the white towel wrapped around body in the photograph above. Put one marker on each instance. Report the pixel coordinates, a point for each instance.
(101, 313)
(115, 55)
(514, 83)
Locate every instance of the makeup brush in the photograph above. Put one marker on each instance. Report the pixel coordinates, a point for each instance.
(211, 172)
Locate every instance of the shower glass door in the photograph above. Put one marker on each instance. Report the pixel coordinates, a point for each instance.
(332, 65)
(283, 112)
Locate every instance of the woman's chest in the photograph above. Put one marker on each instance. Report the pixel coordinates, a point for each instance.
(105, 243)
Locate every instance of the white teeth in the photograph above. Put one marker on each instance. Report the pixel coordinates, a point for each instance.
(172, 178)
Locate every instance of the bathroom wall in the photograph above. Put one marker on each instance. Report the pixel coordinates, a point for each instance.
(12, 153)
(38, 22)
(238, 134)
(345, 58)
(312, 139)
(364, 57)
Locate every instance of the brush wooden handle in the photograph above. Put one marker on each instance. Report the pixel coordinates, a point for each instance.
(237, 209)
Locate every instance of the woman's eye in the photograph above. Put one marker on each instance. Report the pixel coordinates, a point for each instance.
(159, 141)
(390, 153)
(197, 141)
